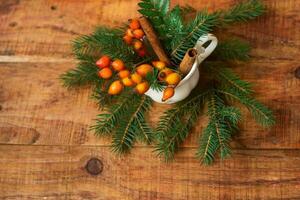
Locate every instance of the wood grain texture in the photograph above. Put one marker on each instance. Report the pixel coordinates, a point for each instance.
(45, 27)
(27, 173)
(44, 138)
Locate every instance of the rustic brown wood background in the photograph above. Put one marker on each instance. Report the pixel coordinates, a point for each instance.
(44, 139)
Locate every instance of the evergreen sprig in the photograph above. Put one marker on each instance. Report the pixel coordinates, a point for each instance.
(232, 49)
(243, 12)
(105, 41)
(228, 78)
(85, 73)
(175, 125)
(261, 113)
(132, 125)
(107, 121)
(223, 122)
(155, 11)
(202, 24)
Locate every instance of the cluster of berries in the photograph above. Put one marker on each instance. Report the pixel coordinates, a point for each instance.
(137, 78)
(125, 77)
(134, 36)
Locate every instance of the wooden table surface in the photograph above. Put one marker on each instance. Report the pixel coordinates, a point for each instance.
(45, 144)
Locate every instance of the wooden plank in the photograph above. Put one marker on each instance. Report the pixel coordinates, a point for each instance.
(36, 109)
(46, 27)
(59, 172)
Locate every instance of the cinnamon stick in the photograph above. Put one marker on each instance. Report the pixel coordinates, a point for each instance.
(188, 61)
(153, 40)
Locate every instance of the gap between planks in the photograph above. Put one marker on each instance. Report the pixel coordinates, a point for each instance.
(144, 147)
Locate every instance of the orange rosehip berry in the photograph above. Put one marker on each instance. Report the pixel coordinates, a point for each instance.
(128, 82)
(127, 39)
(144, 69)
(105, 73)
(115, 88)
(134, 24)
(173, 79)
(129, 32)
(138, 33)
(142, 52)
(103, 62)
(168, 93)
(118, 65)
(162, 75)
(137, 44)
(143, 87)
(135, 77)
(124, 73)
(160, 65)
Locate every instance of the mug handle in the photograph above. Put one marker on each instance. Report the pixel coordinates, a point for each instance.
(205, 52)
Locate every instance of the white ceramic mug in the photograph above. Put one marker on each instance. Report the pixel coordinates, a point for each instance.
(190, 81)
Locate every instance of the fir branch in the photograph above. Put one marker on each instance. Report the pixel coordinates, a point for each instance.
(231, 114)
(222, 123)
(208, 145)
(229, 79)
(152, 79)
(100, 94)
(88, 44)
(155, 10)
(243, 12)
(128, 128)
(232, 49)
(175, 124)
(261, 114)
(105, 41)
(108, 121)
(144, 132)
(174, 27)
(202, 24)
(84, 74)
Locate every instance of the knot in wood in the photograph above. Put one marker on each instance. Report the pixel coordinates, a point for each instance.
(94, 166)
(297, 73)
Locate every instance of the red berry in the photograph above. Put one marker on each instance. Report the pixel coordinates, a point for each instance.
(103, 62)
(134, 24)
(142, 52)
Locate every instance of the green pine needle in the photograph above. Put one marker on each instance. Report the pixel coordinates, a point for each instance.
(229, 79)
(232, 49)
(202, 24)
(85, 73)
(129, 127)
(261, 113)
(243, 12)
(155, 84)
(155, 11)
(175, 125)
(218, 133)
(108, 121)
(174, 27)
(106, 41)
